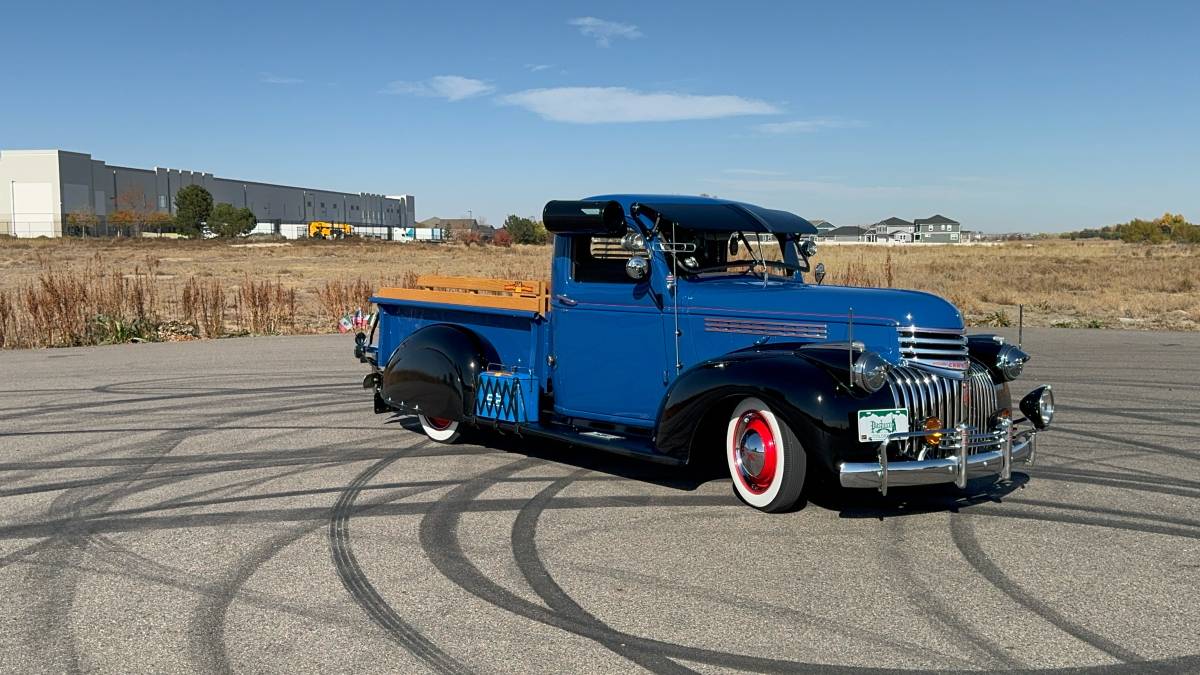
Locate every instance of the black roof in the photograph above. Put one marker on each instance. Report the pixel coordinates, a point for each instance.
(939, 218)
(895, 222)
(730, 216)
(846, 230)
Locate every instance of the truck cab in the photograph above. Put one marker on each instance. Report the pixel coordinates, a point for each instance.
(683, 328)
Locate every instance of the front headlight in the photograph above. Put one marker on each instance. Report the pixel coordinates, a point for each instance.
(1038, 406)
(870, 372)
(1010, 361)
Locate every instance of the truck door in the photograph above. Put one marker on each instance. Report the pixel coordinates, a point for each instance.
(608, 336)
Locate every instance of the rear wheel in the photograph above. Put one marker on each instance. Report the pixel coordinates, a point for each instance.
(765, 459)
(440, 429)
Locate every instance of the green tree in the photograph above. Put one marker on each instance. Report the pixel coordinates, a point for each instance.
(228, 221)
(525, 230)
(193, 206)
(1138, 230)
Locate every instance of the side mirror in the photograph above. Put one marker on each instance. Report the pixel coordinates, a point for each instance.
(637, 268)
(819, 273)
(733, 246)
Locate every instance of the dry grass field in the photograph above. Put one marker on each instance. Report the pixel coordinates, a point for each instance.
(62, 292)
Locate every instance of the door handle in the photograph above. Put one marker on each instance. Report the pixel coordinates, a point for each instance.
(562, 299)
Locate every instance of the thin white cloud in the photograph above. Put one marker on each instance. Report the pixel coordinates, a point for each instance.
(604, 31)
(537, 67)
(754, 172)
(806, 126)
(269, 78)
(449, 87)
(594, 105)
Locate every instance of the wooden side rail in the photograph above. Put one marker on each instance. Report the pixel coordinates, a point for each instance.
(519, 294)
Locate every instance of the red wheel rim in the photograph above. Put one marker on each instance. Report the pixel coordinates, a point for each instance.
(754, 452)
(439, 423)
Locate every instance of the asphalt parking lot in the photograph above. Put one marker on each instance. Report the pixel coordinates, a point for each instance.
(236, 506)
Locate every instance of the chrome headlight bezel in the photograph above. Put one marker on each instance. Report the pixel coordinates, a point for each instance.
(1038, 406)
(870, 371)
(1010, 362)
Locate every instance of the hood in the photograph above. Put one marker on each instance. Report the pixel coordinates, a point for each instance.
(877, 311)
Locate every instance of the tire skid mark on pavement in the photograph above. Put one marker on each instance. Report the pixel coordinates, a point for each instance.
(59, 565)
(963, 534)
(207, 635)
(439, 540)
(927, 601)
(365, 594)
(524, 545)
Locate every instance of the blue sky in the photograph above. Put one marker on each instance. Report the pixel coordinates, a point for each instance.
(1005, 115)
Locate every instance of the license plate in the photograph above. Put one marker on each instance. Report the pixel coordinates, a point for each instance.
(876, 425)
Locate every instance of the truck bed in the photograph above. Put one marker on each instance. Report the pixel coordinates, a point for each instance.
(508, 313)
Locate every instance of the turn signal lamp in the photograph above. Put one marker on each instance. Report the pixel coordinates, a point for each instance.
(932, 424)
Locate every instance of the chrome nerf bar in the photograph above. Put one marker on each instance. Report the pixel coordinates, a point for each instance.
(975, 454)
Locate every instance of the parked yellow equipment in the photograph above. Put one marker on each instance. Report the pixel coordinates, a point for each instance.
(319, 229)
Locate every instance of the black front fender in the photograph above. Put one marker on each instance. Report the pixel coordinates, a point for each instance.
(434, 370)
(812, 399)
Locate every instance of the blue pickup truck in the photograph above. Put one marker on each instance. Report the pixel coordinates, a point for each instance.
(680, 329)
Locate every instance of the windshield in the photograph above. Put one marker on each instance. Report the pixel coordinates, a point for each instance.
(708, 253)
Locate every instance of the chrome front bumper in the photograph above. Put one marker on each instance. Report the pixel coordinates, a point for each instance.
(975, 455)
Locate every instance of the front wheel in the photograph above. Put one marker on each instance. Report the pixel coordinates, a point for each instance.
(440, 429)
(765, 458)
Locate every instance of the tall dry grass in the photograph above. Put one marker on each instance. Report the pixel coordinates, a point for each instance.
(265, 306)
(203, 304)
(62, 292)
(339, 297)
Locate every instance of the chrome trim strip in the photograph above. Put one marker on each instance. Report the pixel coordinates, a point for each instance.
(816, 331)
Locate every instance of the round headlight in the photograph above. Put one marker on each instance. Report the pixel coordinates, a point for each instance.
(1038, 406)
(870, 371)
(808, 248)
(1010, 361)
(1046, 406)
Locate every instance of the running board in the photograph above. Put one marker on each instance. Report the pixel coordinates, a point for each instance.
(597, 440)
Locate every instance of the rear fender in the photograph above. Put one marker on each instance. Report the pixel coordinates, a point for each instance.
(434, 370)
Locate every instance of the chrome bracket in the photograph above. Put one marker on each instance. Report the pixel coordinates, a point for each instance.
(883, 468)
(1032, 448)
(1006, 451)
(961, 479)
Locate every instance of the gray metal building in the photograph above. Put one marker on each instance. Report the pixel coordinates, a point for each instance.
(39, 189)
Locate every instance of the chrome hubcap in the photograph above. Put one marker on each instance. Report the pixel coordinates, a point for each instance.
(754, 453)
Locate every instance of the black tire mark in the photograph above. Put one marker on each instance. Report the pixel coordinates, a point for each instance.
(439, 540)
(206, 631)
(931, 605)
(963, 535)
(1122, 441)
(365, 594)
(524, 545)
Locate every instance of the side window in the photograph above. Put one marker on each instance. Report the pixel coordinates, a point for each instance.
(599, 260)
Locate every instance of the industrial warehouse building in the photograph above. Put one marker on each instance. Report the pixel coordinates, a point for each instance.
(41, 189)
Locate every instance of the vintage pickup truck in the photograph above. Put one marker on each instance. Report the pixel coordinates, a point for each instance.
(679, 328)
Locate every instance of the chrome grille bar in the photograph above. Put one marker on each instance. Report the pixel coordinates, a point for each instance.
(924, 394)
(943, 347)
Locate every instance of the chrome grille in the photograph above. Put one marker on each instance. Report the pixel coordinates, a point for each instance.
(925, 394)
(940, 347)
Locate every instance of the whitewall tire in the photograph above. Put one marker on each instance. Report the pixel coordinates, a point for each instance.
(765, 459)
(439, 429)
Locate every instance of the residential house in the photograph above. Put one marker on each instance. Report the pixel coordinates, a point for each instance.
(937, 229)
(845, 233)
(893, 229)
(457, 227)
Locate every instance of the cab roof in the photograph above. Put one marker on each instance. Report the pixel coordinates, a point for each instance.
(710, 213)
